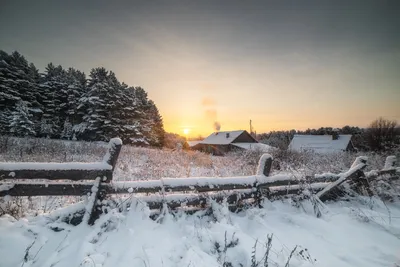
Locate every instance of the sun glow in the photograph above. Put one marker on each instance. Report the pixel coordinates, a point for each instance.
(186, 131)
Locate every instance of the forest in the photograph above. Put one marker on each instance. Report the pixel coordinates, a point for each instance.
(66, 104)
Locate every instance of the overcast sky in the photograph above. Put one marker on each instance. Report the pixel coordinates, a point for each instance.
(283, 64)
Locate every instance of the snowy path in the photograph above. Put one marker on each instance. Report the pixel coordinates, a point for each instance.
(347, 235)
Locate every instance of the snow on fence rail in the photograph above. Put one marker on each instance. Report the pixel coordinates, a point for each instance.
(175, 192)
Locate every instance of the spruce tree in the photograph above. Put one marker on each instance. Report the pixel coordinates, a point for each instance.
(54, 88)
(100, 105)
(63, 104)
(76, 84)
(21, 124)
(17, 83)
(157, 133)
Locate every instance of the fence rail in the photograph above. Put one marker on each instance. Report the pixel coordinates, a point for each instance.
(95, 179)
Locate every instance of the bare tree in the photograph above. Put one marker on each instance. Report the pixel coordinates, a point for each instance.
(382, 134)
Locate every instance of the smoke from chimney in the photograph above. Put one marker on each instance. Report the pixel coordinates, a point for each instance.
(217, 126)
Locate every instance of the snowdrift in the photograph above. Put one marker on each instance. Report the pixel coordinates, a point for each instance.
(363, 232)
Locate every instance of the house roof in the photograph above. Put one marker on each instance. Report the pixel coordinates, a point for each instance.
(255, 146)
(320, 143)
(222, 138)
(193, 143)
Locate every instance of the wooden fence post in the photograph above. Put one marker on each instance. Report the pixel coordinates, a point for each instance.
(264, 165)
(111, 157)
(390, 163)
(114, 147)
(264, 168)
(355, 173)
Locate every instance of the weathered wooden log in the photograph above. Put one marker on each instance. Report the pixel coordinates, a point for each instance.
(73, 171)
(99, 190)
(200, 185)
(93, 209)
(205, 184)
(264, 165)
(174, 201)
(296, 189)
(114, 148)
(45, 189)
(354, 173)
(55, 171)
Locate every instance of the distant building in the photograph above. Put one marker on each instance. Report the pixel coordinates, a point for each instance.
(322, 143)
(219, 143)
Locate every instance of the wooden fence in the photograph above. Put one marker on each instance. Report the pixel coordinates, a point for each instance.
(95, 180)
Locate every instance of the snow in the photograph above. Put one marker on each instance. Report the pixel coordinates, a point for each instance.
(364, 232)
(6, 186)
(208, 181)
(320, 143)
(171, 183)
(116, 142)
(111, 147)
(15, 166)
(192, 143)
(90, 204)
(137, 184)
(360, 165)
(390, 163)
(261, 163)
(222, 138)
(314, 186)
(347, 235)
(359, 160)
(255, 146)
(240, 182)
(276, 178)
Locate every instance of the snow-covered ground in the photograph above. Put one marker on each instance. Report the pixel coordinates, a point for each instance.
(363, 233)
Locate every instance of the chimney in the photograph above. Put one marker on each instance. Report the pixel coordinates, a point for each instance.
(227, 135)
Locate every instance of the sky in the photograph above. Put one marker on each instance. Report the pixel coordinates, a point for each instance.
(282, 64)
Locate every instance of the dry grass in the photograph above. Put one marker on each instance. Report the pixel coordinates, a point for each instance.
(137, 163)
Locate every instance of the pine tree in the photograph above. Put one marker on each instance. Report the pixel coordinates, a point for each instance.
(8, 95)
(63, 104)
(131, 117)
(21, 124)
(35, 97)
(141, 133)
(76, 84)
(17, 83)
(54, 88)
(157, 133)
(100, 104)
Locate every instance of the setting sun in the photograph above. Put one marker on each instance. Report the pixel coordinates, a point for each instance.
(186, 131)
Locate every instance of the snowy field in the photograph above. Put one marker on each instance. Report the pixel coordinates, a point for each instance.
(361, 232)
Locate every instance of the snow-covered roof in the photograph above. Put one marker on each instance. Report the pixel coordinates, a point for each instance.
(222, 138)
(320, 143)
(193, 143)
(254, 146)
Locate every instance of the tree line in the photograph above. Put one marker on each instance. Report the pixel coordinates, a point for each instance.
(380, 135)
(65, 104)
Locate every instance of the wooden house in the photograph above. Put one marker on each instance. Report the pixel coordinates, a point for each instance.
(219, 143)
